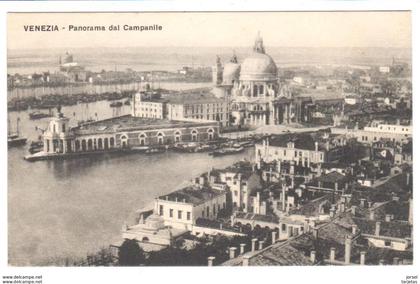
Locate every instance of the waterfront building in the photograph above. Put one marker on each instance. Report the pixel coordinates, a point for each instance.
(254, 91)
(302, 148)
(195, 106)
(121, 133)
(181, 208)
(396, 133)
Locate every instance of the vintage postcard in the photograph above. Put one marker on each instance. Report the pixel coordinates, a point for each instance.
(210, 139)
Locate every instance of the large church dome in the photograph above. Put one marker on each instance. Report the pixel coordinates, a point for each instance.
(258, 66)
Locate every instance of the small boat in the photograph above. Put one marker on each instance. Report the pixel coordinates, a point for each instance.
(14, 139)
(140, 149)
(38, 115)
(204, 148)
(227, 151)
(36, 146)
(155, 150)
(116, 104)
(127, 102)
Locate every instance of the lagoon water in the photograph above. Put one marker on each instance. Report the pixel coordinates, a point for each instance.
(69, 208)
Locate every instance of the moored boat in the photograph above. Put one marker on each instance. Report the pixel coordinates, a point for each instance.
(38, 115)
(14, 140)
(227, 151)
(116, 104)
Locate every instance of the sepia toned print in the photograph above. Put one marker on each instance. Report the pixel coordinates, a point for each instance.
(210, 139)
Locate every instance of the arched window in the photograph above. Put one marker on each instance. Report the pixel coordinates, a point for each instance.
(160, 138)
(194, 135)
(142, 139)
(124, 141)
(177, 136)
(106, 145)
(210, 134)
(83, 145)
(77, 145)
(261, 89)
(90, 145)
(100, 145)
(111, 142)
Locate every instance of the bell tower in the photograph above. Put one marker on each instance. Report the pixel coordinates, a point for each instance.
(217, 72)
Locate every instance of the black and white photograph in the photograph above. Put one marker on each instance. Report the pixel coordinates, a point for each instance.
(217, 138)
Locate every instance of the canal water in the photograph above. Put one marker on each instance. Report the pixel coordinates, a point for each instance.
(59, 209)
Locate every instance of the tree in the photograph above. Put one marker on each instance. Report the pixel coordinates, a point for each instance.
(130, 254)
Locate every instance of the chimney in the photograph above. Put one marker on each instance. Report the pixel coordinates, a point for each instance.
(395, 261)
(410, 211)
(353, 210)
(210, 260)
(241, 248)
(313, 256)
(362, 257)
(283, 197)
(253, 244)
(388, 218)
(354, 229)
(245, 260)
(332, 254)
(381, 262)
(221, 226)
(332, 212)
(372, 215)
(369, 204)
(315, 233)
(408, 179)
(377, 228)
(273, 237)
(279, 166)
(347, 250)
(395, 198)
(316, 146)
(362, 202)
(232, 252)
(260, 245)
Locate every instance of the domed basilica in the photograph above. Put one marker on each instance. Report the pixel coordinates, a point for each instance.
(254, 92)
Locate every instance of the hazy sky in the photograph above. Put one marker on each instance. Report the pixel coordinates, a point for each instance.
(288, 29)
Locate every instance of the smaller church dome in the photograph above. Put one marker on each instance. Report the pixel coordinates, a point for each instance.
(155, 221)
(231, 73)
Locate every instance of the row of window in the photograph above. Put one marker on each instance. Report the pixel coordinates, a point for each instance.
(180, 213)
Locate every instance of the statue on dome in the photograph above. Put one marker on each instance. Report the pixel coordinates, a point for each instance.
(246, 91)
(234, 59)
